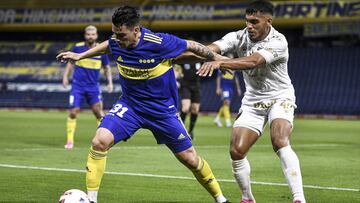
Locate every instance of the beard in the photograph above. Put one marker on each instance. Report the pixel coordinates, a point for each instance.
(90, 41)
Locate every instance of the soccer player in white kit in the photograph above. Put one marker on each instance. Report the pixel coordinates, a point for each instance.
(269, 97)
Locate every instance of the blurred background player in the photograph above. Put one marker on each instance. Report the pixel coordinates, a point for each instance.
(224, 88)
(190, 95)
(85, 82)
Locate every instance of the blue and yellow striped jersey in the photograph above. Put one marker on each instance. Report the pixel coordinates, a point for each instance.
(146, 74)
(87, 71)
(227, 79)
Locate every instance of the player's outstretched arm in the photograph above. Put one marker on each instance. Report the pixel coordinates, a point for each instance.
(242, 63)
(102, 48)
(197, 52)
(190, 57)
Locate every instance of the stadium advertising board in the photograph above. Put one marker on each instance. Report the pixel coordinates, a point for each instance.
(181, 16)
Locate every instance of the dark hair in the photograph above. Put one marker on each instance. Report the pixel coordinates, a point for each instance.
(126, 15)
(262, 6)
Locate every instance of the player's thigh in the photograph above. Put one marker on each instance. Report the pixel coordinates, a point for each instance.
(281, 116)
(242, 139)
(121, 121)
(76, 98)
(93, 96)
(170, 131)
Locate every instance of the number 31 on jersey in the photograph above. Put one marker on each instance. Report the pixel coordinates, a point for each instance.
(119, 110)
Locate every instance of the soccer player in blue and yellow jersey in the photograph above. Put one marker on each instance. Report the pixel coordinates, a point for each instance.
(85, 82)
(150, 97)
(224, 88)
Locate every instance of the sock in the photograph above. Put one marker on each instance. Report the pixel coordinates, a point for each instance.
(92, 195)
(183, 116)
(221, 112)
(291, 168)
(226, 112)
(70, 129)
(98, 121)
(241, 171)
(193, 118)
(206, 178)
(95, 169)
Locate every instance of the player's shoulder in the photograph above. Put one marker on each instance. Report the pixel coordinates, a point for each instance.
(79, 44)
(277, 37)
(152, 37)
(235, 35)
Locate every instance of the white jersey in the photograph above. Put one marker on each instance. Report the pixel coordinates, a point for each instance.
(266, 82)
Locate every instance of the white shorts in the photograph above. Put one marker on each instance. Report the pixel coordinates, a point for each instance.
(256, 116)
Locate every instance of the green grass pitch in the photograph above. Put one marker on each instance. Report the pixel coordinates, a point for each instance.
(329, 152)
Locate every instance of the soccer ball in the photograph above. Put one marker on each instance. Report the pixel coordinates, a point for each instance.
(74, 196)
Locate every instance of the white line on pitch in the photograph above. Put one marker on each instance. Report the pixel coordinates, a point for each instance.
(171, 177)
(159, 147)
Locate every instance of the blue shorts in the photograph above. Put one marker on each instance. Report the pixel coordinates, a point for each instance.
(227, 93)
(79, 94)
(123, 122)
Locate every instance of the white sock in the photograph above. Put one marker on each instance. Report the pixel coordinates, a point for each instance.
(228, 123)
(92, 195)
(291, 168)
(220, 199)
(241, 171)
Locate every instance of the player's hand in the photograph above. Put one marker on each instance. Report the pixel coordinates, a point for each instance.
(110, 88)
(65, 82)
(68, 56)
(218, 91)
(208, 68)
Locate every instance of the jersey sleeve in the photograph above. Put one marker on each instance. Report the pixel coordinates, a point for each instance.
(171, 46)
(227, 43)
(105, 60)
(274, 50)
(75, 49)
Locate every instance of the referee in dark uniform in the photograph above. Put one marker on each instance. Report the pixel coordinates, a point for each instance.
(190, 94)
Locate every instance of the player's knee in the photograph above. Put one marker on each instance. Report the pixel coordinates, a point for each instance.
(279, 143)
(185, 110)
(194, 110)
(189, 158)
(191, 162)
(237, 152)
(99, 144)
(279, 139)
(99, 115)
(72, 114)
